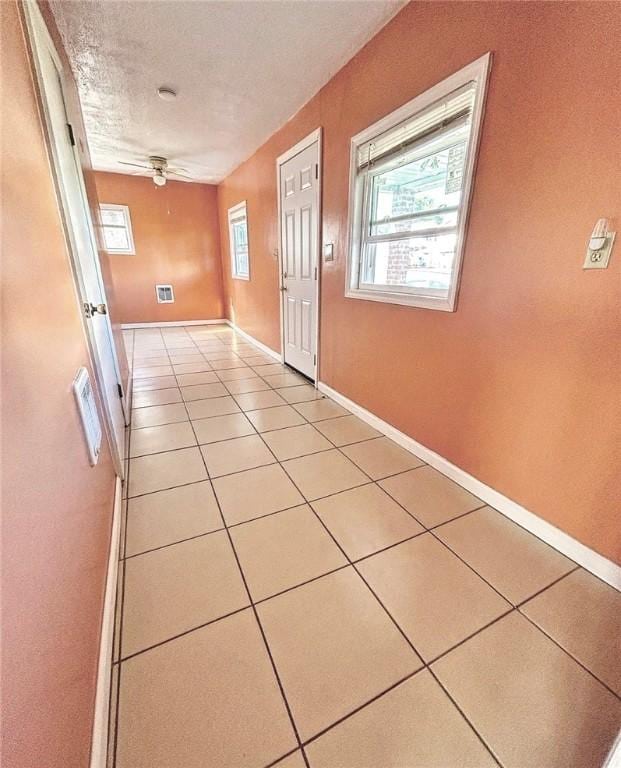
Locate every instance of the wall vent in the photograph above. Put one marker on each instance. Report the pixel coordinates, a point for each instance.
(165, 294)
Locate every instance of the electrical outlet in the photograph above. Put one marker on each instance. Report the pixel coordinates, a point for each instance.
(598, 259)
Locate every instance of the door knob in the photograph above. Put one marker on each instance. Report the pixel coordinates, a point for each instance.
(283, 287)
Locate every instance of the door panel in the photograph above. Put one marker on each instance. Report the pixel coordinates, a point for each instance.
(299, 224)
(83, 248)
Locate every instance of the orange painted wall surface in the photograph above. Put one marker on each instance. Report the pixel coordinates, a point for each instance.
(177, 241)
(520, 386)
(56, 509)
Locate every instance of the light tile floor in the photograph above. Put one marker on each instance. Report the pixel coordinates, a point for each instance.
(297, 590)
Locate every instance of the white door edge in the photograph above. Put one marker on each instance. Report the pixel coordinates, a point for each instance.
(38, 35)
(315, 136)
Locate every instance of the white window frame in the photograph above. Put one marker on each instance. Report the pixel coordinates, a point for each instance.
(127, 226)
(165, 286)
(239, 211)
(477, 72)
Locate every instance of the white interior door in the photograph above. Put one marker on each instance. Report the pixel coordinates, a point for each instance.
(299, 211)
(80, 231)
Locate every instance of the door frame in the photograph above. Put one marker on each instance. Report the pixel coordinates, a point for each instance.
(312, 138)
(40, 42)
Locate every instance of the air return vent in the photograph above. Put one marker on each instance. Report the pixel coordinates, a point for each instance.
(164, 294)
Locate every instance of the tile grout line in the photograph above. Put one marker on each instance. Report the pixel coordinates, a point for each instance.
(256, 615)
(426, 665)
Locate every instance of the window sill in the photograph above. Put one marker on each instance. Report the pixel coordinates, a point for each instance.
(241, 277)
(403, 299)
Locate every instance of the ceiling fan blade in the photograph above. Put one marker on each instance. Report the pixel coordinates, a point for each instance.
(178, 173)
(135, 165)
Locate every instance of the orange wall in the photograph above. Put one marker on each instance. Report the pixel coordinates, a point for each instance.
(520, 386)
(177, 241)
(56, 509)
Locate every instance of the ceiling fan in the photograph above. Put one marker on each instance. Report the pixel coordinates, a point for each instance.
(161, 169)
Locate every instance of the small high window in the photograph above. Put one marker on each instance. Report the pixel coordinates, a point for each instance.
(238, 239)
(411, 179)
(117, 228)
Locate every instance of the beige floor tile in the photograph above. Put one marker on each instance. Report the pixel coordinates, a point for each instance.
(166, 437)
(293, 761)
(178, 359)
(517, 563)
(346, 429)
(257, 359)
(229, 364)
(321, 474)
(235, 374)
(236, 455)
(191, 367)
(334, 647)
(275, 418)
(214, 406)
(279, 551)
(219, 354)
(166, 517)
(284, 380)
(365, 519)
(203, 391)
(301, 394)
(430, 496)
(254, 493)
(180, 344)
(224, 427)
(317, 410)
(209, 698)
(436, 599)
(251, 401)
(157, 382)
(149, 371)
(143, 362)
(294, 441)
(156, 397)
(165, 470)
(583, 614)
(171, 590)
(381, 457)
(413, 726)
(154, 415)
(238, 387)
(191, 379)
(271, 369)
(529, 700)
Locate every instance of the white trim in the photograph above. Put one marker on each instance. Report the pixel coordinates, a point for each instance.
(124, 209)
(130, 326)
(233, 214)
(315, 136)
(101, 725)
(477, 71)
(589, 559)
(263, 347)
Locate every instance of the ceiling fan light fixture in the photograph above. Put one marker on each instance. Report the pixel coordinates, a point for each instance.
(166, 94)
(159, 179)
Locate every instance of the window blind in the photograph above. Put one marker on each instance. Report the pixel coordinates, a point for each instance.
(447, 112)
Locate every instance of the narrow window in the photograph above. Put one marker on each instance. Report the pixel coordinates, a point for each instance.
(410, 185)
(238, 238)
(117, 228)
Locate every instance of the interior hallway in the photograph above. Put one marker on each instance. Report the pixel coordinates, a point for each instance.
(290, 577)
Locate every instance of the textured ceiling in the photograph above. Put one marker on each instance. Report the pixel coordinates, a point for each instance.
(241, 69)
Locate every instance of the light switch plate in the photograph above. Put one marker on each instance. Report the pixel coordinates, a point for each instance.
(599, 259)
(328, 252)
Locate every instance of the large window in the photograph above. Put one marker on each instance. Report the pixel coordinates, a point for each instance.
(117, 228)
(411, 176)
(238, 238)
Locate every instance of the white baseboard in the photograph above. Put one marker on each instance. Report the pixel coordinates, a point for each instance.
(263, 347)
(589, 559)
(99, 744)
(176, 323)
